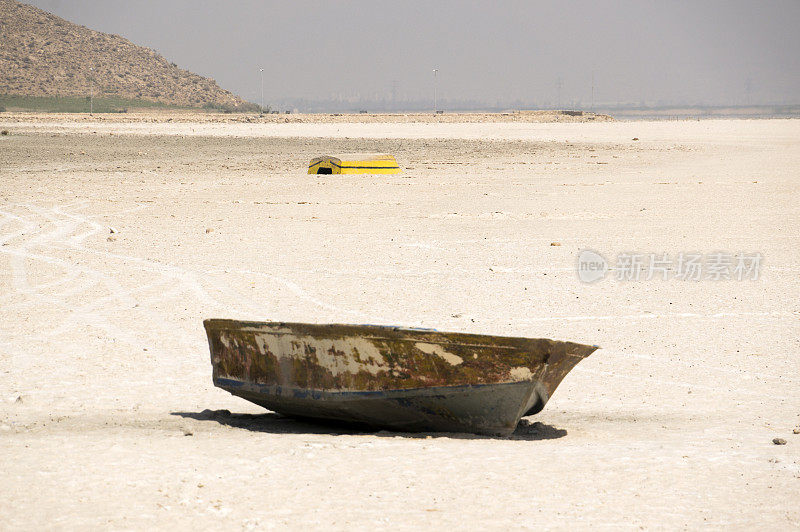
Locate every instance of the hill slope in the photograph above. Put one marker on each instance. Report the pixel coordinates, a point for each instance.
(43, 55)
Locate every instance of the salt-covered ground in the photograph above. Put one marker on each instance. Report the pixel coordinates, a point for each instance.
(104, 370)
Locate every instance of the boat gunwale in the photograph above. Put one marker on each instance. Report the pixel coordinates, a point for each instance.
(217, 324)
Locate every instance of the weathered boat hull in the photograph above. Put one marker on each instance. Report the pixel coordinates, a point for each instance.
(389, 377)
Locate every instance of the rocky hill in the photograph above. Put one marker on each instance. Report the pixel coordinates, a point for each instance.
(43, 55)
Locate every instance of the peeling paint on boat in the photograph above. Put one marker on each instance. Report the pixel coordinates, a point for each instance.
(433, 349)
(340, 355)
(520, 374)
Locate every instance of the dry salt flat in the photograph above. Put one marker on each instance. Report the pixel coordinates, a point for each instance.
(118, 239)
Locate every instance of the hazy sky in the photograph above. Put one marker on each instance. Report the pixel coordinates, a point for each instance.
(715, 52)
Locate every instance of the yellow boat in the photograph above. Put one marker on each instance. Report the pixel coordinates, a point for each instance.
(354, 164)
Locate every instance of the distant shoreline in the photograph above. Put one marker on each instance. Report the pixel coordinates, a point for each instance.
(211, 117)
(202, 116)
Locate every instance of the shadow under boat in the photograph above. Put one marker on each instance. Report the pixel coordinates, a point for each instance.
(273, 423)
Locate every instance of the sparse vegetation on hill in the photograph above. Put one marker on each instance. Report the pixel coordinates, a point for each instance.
(77, 104)
(50, 59)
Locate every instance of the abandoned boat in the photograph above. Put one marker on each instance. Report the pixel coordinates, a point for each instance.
(354, 163)
(390, 377)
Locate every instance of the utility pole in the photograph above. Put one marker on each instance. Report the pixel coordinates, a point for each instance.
(592, 108)
(435, 70)
(262, 90)
(91, 91)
